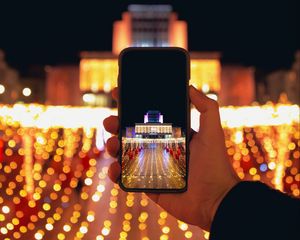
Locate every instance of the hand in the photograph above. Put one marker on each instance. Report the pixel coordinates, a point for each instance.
(210, 173)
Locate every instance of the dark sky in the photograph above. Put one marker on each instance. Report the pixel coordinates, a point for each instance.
(259, 34)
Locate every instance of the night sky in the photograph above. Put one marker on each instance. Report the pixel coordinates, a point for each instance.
(248, 33)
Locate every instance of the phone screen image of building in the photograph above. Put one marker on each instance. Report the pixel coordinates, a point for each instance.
(153, 154)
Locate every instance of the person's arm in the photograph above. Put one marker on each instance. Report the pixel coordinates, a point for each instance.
(252, 210)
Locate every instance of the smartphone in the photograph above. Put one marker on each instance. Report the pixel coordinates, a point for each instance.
(154, 119)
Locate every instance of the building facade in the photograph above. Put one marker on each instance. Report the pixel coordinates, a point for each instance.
(153, 127)
(10, 86)
(62, 85)
(148, 26)
(285, 82)
(238, 85)
(152, 25)
(145, 26)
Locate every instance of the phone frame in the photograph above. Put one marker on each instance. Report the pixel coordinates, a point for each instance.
(188, 110)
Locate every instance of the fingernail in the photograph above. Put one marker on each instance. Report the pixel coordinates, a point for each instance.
(194, 89)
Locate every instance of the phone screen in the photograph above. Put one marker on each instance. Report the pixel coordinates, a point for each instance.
(154, 118)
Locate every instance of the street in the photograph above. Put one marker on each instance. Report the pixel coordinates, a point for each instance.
(153, 167)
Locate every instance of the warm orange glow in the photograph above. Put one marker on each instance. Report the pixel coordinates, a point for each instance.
(42, 116)
(178, 34)
(28, 163)
(121, 33)
(283, 154)
(98, 75)
(206, 73)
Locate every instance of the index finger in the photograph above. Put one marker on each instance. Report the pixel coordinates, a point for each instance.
(210, 117)
(115, 94)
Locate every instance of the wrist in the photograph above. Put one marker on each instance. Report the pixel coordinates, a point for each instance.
(220, 196)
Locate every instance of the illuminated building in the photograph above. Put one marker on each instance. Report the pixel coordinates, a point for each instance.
(153, 127)
(206, 71)
(238, 86)
(281, 83)
(98, 71)
(153, 117)
(285, 82)
(148, 26)
(98, 74)
(62, 85)
(153, 130)
(10, 87)
(144, 25)
(15, 88)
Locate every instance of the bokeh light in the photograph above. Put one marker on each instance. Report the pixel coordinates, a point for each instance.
(53, 174)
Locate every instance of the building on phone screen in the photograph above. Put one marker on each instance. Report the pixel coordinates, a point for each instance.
(153, 127)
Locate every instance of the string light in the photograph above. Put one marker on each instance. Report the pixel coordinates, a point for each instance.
(53, 178)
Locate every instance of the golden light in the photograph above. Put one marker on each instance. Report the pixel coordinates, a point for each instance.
(89, 98)
(105, 231)
(5, 209)
(26, 92)
(188, 234)
(56, 177)
(49, 226)
(2, 89)
(121, 33)
(83, 229)
(38, 236)
(67, 228)
(98, 75)
(178, 34)
(166, 230)
(3, 230)
(183, 226)
(60, 236)
(205, 88)
(206, 74)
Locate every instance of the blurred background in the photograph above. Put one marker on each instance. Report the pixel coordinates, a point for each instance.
(58, 65)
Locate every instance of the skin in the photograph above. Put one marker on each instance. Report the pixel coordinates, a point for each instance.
(210, 173)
